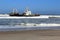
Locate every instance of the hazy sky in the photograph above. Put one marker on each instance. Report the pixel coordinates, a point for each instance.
(40, 5)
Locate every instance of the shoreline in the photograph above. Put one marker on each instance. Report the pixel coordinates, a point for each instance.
(42, 32)
(31, 35)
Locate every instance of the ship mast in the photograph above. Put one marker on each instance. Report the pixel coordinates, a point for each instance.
(15, 11)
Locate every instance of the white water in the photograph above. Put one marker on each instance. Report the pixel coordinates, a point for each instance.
(44, 22)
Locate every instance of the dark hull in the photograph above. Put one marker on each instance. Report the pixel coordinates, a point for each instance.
(17, 14)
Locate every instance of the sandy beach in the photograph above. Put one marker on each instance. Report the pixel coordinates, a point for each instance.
(31, 35)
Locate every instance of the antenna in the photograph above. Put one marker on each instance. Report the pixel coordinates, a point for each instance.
(26, 9)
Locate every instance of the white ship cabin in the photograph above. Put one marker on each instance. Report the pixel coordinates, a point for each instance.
(28, 12)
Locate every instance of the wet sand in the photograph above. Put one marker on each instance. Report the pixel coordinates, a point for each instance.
(31, 35)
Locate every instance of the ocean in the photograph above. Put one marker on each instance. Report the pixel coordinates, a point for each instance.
(10, 24)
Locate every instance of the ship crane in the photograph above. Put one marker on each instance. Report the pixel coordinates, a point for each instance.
(15, 11)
